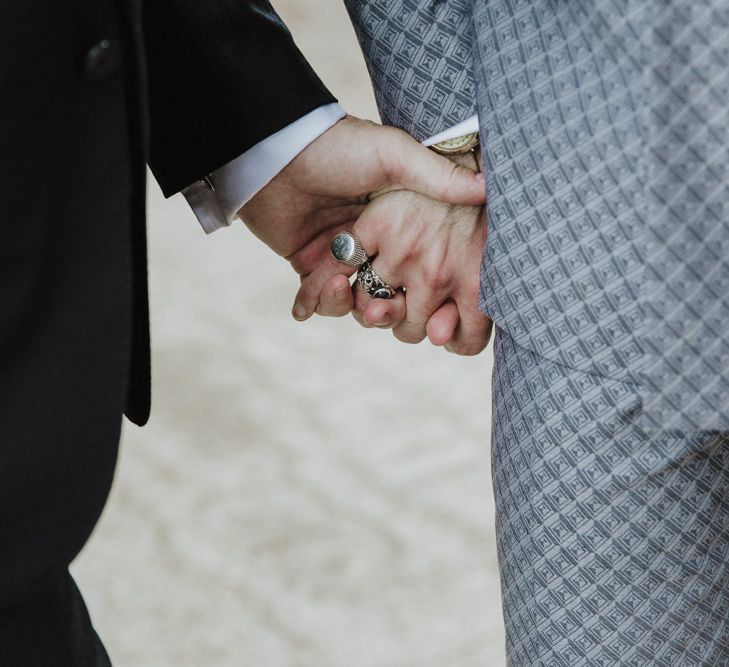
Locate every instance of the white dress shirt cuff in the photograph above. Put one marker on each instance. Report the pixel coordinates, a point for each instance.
(467, 126)
(235, 183)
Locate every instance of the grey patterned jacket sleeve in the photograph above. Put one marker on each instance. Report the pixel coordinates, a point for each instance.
(605, 128)
(418, 53)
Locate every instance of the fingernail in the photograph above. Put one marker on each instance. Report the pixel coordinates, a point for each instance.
(299, 312)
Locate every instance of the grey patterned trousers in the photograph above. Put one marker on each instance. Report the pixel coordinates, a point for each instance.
(613, 544)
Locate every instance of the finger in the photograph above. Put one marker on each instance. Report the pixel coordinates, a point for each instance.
(308, 297)
(421, 302)
(442, 325)
(360, 304)
(357, 315)
(472, 334)
(415, 167)
(307, 258)
(427, 290)
(383, 313)
(336, 299)
(309, 294)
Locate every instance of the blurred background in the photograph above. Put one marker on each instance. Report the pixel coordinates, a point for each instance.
(304, 494)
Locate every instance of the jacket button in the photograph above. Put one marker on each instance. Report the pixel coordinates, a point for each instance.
(102, 61)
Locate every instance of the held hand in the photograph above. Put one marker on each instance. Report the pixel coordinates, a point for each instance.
(325, 189)
(433, 250)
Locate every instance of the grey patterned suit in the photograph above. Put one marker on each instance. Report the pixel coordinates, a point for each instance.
(605, 128)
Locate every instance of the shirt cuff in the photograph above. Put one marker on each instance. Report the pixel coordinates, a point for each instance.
(217, 200)
(467, 126)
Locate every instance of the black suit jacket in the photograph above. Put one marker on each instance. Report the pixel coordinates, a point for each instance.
(88, 90)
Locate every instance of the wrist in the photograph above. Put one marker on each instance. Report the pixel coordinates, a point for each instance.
(471, 160)
(465, 151)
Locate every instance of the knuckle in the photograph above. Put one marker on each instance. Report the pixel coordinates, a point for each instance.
(408, 335)
(331, 310)
(359, 318)
(433, 278)
(308, 294)
(466, 348)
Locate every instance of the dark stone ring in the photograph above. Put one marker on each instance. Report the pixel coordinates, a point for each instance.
(371, 283)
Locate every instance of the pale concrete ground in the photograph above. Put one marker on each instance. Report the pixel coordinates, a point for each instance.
(281, 509)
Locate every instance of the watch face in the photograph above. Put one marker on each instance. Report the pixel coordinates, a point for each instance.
(458, 145)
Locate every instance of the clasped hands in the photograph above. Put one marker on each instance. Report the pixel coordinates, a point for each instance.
(425, 232)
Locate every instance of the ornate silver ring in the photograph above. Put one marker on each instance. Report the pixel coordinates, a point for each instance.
(371, 283)
(348, 250)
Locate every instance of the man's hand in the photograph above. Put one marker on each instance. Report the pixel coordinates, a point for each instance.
(324, 189)
(432, 249)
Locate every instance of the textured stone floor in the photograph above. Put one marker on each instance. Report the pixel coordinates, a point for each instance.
(282, 508)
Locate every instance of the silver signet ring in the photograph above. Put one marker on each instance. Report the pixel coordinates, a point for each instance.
(347, 249)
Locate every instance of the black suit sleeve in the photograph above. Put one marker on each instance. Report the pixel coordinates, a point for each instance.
(222, 76)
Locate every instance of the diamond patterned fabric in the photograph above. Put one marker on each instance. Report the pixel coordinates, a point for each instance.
(613, 542)
(688, 244)
(560, 91)
(605, 126)
(419, 58)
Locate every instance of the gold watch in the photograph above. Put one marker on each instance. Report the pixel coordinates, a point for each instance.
(464, 150)
(457, 146)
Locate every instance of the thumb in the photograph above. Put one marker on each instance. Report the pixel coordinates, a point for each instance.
(412, 166)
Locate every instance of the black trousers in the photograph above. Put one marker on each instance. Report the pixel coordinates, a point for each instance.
(50, 627)
(67, 304)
